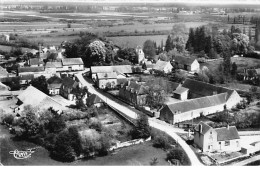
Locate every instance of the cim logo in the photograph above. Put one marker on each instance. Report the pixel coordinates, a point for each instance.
(22, 154)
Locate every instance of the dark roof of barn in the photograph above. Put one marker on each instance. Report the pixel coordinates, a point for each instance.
(35, 61)
(53, 65)
(30, 69)
(69, 82)
(227, 133)
(204, 89)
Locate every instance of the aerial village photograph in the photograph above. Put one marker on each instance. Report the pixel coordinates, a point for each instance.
(129, 83)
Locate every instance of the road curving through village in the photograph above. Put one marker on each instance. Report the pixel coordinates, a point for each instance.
(153, 122)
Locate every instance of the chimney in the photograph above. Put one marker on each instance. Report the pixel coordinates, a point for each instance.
(200, 128)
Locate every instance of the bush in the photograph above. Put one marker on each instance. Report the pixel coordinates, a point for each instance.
(94, 123)
(8, 119)
(178, 154)
(161, 141)
(142, 128)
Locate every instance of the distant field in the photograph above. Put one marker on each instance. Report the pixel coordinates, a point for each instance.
(133, 41)
(245, 62)
(8, 48)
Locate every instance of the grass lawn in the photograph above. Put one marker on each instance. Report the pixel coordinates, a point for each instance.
(245, 62)
(134, 155)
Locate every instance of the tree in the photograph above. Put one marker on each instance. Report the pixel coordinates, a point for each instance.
(168, 44)
(234, 69)
(142, 128)
(128, 54)
(96, 53)
(69, 25)
(63, 149)
(156, 96)
(240, 43)
(41, 84)
(71, 50)
(177, 154)
(149, 49)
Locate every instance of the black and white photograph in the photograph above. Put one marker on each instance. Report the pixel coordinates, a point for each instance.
(119, 83)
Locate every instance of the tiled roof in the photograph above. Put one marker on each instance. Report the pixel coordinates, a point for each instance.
(53, 65)
(180, 90)
(110, 75)
(27, 77)
(160, 65)
(30, 69)
(198, 103)
(107, 69)
(227, 133)
(35, 61)
(93, 99)
(138, 88)
(72, 61)
(183, 60)
(204, 89)
(205, 128)
(69, 82)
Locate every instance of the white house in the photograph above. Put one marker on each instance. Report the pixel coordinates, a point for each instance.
(189, 64)
(72, 64)
(163, 66)
(210, 139)
(140, 54)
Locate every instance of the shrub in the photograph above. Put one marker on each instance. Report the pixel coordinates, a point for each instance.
(161, 141)
(142, 128)
(94, 123)
(178, 154)
(8, 119)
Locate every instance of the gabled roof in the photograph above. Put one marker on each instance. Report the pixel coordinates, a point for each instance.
(3, 71)
(72, 61)
(106, 69)
(54, 80)
(204, 127)
(137, 88)
(35, 61)
(184, 60)
(27, 77)
(205, 89)
(227, 133)
(180, 90)
(122, 69)
(160, 65)
(198, 103)
(69, 82)
(34, 97)
(93, 99)
(110, 75)
(53, 65)
(30, 69)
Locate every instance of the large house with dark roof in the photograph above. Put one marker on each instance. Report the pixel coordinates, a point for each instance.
(186, 63)
(210, 139)
(54, 85)
(134, 93)
(203, 99)
(67, 88)
(106, 80)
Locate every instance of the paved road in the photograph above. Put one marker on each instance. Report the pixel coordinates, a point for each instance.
(247, 161)
(153, 122)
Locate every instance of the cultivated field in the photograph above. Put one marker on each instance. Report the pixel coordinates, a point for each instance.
(133, 41)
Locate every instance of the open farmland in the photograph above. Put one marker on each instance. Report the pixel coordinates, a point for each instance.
(245, 62)
(133, 41)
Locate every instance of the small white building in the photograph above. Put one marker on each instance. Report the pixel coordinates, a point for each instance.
(163, 66)
(72, 64)
(181, 93)
(188, 64)
(140, 54)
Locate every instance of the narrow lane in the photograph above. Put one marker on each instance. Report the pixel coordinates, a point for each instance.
(153, 122)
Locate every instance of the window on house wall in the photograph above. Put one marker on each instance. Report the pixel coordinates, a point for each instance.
(227, 143)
